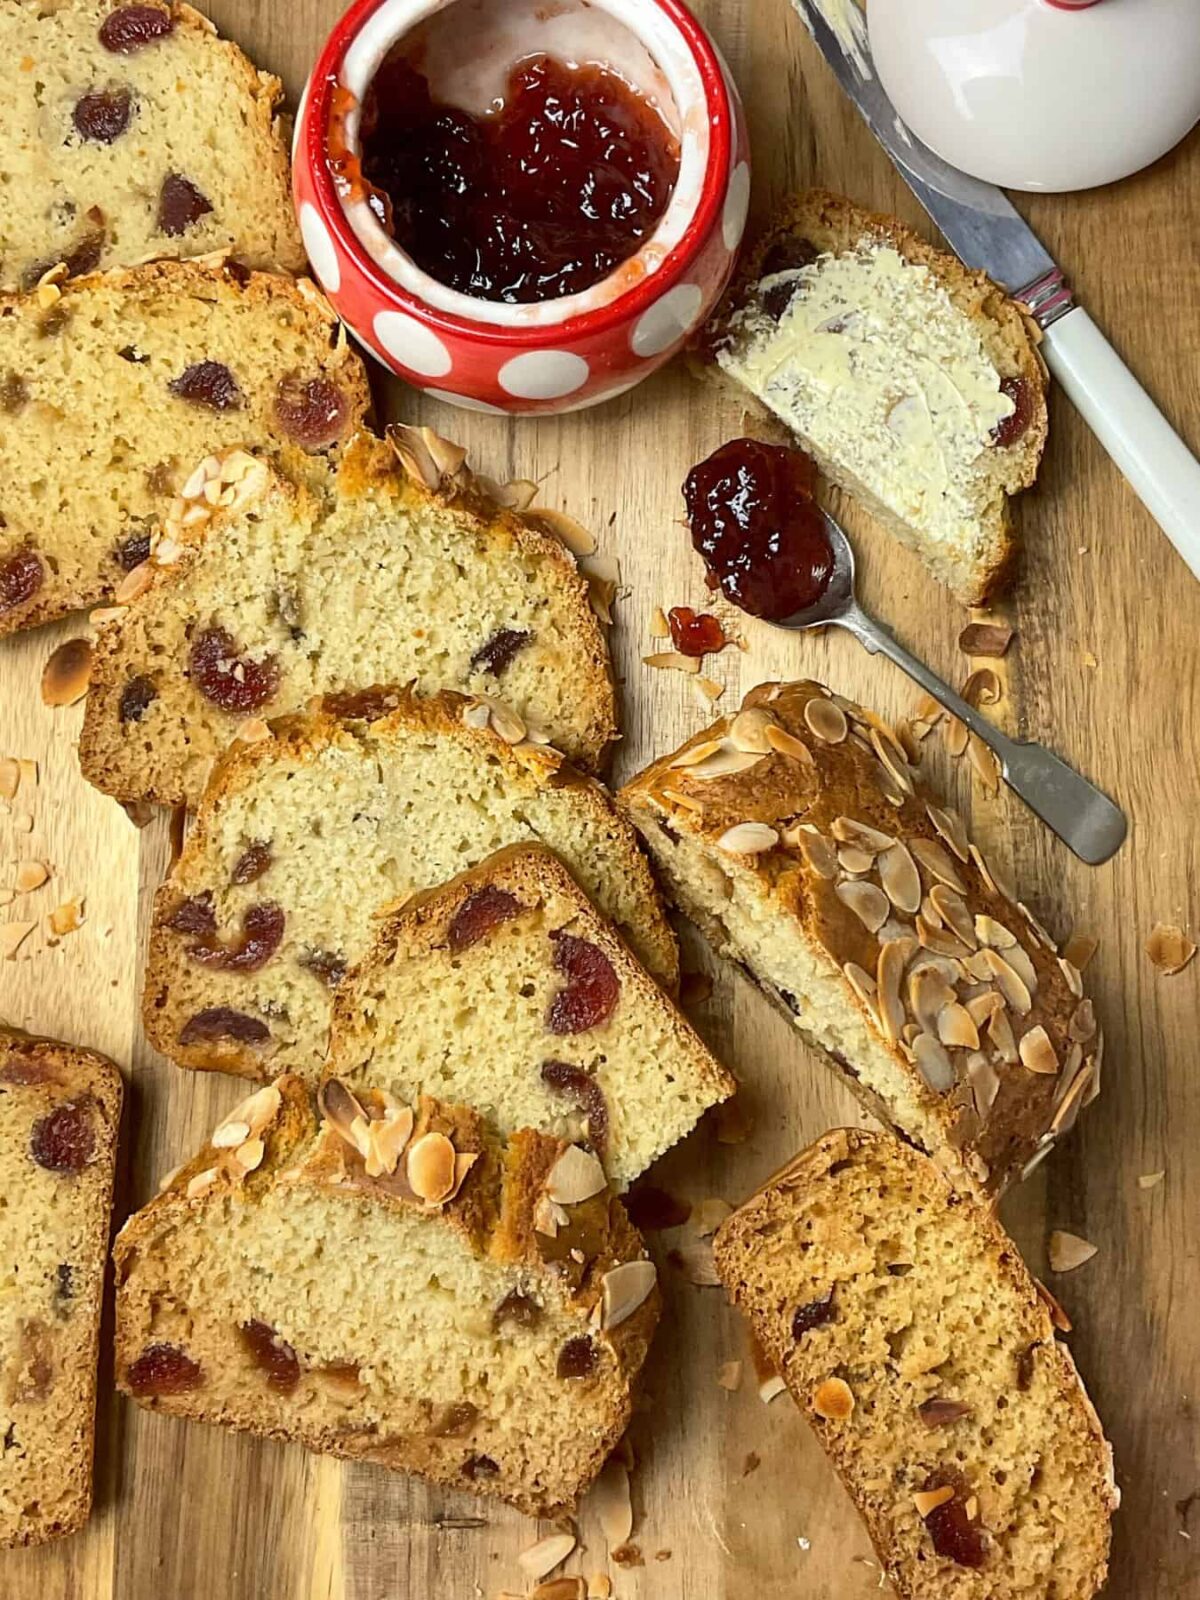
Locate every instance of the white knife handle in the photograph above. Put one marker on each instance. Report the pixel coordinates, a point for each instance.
(1162, 471)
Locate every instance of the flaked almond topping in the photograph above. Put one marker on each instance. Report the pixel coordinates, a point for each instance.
(748, 839)
(697, 753)
(888, 973)
(785, 743)
(229, 1135)
(933, 1063)
(723, 762)
(1072, 975)
(67, 673)
(929, 994)
(624, 1289)
(927, 1501)
(949, 825)
(833, 1400)
(546, 1554)
(603, 575)
(1082, 1025)
(135, 583)
(1039, 928)
(989, 931)
(1010, 984)
(426, 457)
(1037, 1052)
(937, 863)
(31, 875)
(1169, 948)
(748, 731)
(855, 861)
(576, 1176)
(671, 661)
(900, 879)
(868, 903)
(1079, 950)
(891, 757)
(990, 639)
(826, 719)
(985, 1083)
(476, 715)
(956, 1028)
(249, 1156)
(685, 802)
(518, 494)
(387, 1137)
(257, 1110)
(982, 1007)
(12, 936)
(848, 830)
(577, 539)
(1082, 1091)
(952, 909)
(1066, 1251)
(814, 847)
(503, 720)
(1000, 1032)
(430, 1167)
(612, 1503)
(201, 1183)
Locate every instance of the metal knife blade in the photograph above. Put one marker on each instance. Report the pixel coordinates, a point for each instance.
(977, 219)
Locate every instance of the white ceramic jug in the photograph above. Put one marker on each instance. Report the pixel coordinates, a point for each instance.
(1042, 94)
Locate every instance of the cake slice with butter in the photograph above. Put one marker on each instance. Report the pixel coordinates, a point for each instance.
(915, 382)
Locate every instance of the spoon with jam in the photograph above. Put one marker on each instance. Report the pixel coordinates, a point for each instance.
(775, 553)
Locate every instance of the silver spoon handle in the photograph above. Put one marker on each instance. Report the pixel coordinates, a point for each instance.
(1082, 816)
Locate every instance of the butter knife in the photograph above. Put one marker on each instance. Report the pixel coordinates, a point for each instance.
(985, 231)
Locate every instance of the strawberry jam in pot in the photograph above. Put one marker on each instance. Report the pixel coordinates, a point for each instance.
(541, 196)
(754, 520)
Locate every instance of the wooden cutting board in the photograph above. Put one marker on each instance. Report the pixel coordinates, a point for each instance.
(733, 1497)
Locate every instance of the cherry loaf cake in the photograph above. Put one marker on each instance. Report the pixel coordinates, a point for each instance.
(914, 382)
(307, 836)
(132, 132)
(924, 1356)
(292, 593)
(110, 395)
(507, 991)
(796, 835)
(59, 1113)
(392, 1285)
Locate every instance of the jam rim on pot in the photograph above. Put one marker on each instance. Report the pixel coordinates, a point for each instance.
(705, 217)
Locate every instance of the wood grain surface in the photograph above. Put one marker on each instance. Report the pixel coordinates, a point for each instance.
(733, 1497)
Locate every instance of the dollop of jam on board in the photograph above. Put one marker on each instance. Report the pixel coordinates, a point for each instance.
(754, 520)
(696, 633)
(540, 198)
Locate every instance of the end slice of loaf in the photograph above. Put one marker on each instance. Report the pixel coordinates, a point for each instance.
(920, 1350)
(59, 1113)
(508, 991)
(382, 580)
(800, 840)
(134, 132)
(914, 382)
(433, 1302)
(308, 836)
(112, 395)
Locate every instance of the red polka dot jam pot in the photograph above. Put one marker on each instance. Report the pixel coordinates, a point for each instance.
(508, 298)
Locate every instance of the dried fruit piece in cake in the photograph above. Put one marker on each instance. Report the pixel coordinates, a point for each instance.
(140, 376)
(134, 132)
(380, 579)
(954, 1416)
(59, 1111)
(459, 997)
(283, 1283)
(798, 837)
(355, 815)
(915, 382)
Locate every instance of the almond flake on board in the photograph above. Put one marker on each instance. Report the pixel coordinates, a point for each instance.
(672, 661)
(31, 875)
(10, 777)
(770, 1388)
(660, 628)
(1150, 1180)
(558, 1589)
(729, 1376)
(1169, 948)
(67, 673)
(990, 639)
(1066, 1251)
(12, 937)
(708, 690)
(1079, 950)
(542, 1558)
(708, 1215)
(613, 1506)
(67, 918)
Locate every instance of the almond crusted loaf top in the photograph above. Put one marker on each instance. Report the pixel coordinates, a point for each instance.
(59, 1112)
(133, 132)
(508, 991)
(111, 394)
(915, 382)
(307, 836)
(470, 1311)
(289, 594)
(920, 1350)
(797, 837)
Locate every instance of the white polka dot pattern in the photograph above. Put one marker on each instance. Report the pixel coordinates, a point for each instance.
(543, 374)
(320, 248)
(412, 344)
(737, 204)
(667, 320)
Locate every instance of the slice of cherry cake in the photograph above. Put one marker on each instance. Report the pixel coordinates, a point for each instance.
(380, 578)
(507, 990)
(59, 1112)
(310, 833)
(389, 1284)
(115, 389)
(925, 1357)
(133, 132)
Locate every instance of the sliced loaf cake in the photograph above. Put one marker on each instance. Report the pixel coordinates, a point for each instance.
(133, 132)
(59, 1112)
(915, 382)
(914, 1341)
(114, 390)
(308, 835)
(798, 837)
(292, 593)
(508, 991)
(390, 1285)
